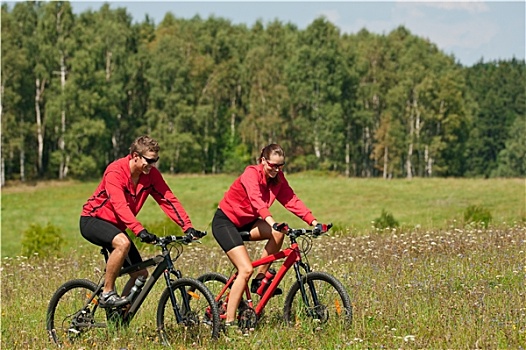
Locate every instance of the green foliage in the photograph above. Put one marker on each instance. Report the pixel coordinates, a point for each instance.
(84, 167)
(512, 159)
(499, 90)
(214, 93)
(43, 241)
(236, 159)
(478, 215)
(386, 220)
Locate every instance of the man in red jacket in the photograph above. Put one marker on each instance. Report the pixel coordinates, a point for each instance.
(125, 186)
(245, 207)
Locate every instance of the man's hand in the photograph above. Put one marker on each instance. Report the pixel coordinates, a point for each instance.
(194, 233)
(147, 237)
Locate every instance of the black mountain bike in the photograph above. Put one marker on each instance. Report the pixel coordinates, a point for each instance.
(186, 308)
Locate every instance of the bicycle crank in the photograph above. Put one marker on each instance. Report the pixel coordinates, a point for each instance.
(247, 319)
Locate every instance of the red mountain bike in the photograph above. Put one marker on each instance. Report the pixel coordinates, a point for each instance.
(316, 297)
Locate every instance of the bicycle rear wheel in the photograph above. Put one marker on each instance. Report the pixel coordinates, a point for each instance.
(197, 311)
(327, 302)
(71, 314)
(215, 282)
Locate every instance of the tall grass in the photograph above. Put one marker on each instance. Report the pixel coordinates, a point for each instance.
(454, 288)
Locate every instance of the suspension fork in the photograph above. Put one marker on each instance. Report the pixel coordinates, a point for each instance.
(312, 290)
(170, 269)
(299, 276)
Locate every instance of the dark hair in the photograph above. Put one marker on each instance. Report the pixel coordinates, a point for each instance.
(266, 152)
(273, 148)
(144, 144)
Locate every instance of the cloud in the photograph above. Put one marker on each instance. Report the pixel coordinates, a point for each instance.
(469, 34)
(432, 20)
(468, 6)
(332, 15)
(456, 27)
(471, 6)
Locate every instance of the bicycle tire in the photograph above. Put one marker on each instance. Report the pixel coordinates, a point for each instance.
(69, 317)
(334, 303)
(199, 323)
(209, 278)
(215, 282)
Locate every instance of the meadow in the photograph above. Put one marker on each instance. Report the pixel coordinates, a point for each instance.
(351, 204)
(435, 282)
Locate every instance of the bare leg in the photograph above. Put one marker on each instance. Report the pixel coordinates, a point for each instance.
(239, 257)
(121, 246)
(261, 231)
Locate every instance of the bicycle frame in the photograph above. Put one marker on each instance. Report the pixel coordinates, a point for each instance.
(164, 267)
(292, 257)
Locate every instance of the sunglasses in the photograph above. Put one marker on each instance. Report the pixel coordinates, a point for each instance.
(276, 166)
(150, 160)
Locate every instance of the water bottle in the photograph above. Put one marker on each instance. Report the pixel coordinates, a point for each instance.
(265, 282)
(136, 289)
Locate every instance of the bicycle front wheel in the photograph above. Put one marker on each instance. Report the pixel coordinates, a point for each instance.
(325, 303)
(73, 311)
(192, 316)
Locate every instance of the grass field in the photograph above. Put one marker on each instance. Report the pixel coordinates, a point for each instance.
(434, 283)
(351, 204)
(414, 289)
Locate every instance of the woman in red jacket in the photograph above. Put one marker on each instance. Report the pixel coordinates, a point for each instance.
(125, 186)
(245, 207)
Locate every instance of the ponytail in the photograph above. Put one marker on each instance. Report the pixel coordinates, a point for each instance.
(267, 151)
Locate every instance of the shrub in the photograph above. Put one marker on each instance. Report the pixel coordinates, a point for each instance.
(83, 167)
(478, 215)
(386, 220)
(44, 241)
(236, 159)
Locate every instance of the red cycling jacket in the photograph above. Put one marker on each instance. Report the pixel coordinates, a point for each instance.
(117, 201)
(250, 197)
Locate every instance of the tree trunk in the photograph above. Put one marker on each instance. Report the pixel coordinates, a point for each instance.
(428, 162)
(2, 171)
(386, 161)
(408, 161)
(418, 127)
(367, 171)
(2, 159)
(22, 159)
(63, 169)
(40, 87)
(348, 152)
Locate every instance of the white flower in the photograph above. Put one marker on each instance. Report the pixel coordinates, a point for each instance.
(409, 338)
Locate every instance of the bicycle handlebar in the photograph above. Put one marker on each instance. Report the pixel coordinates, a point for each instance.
(186, 239)
(296, 232)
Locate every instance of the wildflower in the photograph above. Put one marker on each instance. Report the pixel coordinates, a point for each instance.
(409, 338)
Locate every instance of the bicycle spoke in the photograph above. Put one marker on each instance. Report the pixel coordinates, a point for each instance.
(194, 317)
(326, 303)
(71, 317)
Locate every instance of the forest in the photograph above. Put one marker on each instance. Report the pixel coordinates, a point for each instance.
(77, 89)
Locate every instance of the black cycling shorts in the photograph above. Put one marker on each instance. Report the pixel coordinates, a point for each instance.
(102, 233)
(226, 233)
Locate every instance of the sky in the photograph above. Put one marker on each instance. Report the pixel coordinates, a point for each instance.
(470, 30)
